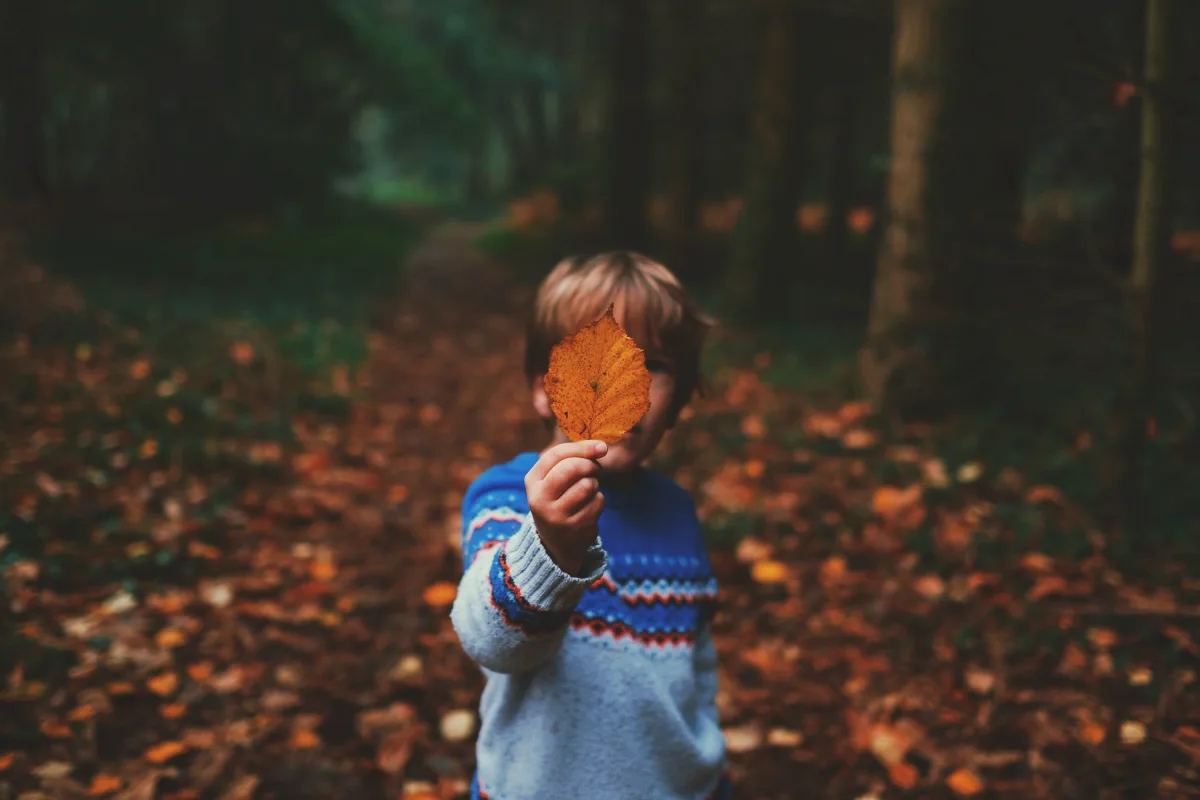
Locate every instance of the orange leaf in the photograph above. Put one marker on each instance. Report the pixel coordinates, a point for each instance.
(173, 711)
(200, 671)
(597, 383)
(304, 739)
(163, 685)
(241, 353)
(833, 570)
(769, 572)
(82, 713)
(440, 594)
(170, 637)
(899, 507)
(903, 774)
(6, 760)
(164, 751)
(103, 784)
(322, 570)
(964, 782)
(121, 687)
(55, 730)
(1092, 733)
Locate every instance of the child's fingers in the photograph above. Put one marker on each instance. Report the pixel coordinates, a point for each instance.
(578, 495)
(589, 514)
(566, 474)
(561, 452)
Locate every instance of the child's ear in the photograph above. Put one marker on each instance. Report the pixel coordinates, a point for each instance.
(541, 403)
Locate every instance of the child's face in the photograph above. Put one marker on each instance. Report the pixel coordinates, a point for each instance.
(640, 441)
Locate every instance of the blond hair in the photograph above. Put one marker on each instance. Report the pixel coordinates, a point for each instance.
(647, 299)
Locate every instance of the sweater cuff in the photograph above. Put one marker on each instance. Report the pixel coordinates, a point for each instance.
(541, 582)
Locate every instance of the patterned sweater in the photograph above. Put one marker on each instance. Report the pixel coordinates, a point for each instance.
(600, 687)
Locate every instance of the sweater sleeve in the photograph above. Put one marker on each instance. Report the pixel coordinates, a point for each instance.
(514, 602)
(705, 665)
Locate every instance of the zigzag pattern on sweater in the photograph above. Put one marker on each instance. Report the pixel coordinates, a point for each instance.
(514, 609)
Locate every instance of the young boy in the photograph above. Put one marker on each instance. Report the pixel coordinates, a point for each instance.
(587, 591)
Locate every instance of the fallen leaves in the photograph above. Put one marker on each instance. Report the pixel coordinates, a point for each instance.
(164, 684)
(163, 752)
(457, 725)
(440, 595)
(597, 383)
(858, 611)
(768, 572)
(964, 783)
(103, 784)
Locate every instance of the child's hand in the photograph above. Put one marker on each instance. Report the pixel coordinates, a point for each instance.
(565, 500)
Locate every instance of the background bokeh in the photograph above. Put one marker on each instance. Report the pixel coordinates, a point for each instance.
(264, 272)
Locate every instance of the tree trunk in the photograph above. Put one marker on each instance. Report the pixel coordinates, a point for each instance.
(685, 132)
(630, 153)
(533, 99)
(764, 248)
(842, 171)
(522, 165)
(896, 360)
(1152, 233)
(24, 99)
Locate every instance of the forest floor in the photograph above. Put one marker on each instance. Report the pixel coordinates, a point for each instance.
(228, 577)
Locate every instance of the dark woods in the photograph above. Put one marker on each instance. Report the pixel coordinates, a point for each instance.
(994, 199)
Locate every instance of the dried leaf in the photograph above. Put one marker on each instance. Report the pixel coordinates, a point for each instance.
(891, 743)
(743, 739)
(457, 725)
(241, 789)
(784, 737)
(169, 638)
(768, 572)
(440, 594)
(1132, 732)
(103, 784)
(395, 751)
(165, 751)
(6, 760)
(164, 684)
(597, 383)
(55, 729)
(903, 774)
(964, 782)
(899, 507)
(1091, 732)
(304, 739)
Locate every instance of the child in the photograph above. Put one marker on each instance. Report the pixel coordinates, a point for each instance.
(587, 593)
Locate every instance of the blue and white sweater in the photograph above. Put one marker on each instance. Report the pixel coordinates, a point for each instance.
(602, 686)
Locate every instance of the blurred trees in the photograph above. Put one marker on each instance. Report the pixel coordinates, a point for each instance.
(762, 148)
(764, 253)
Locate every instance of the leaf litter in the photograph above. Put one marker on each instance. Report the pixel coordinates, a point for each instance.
(271, 615)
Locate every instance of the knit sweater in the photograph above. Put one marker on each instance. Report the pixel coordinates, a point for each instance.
(601, 686)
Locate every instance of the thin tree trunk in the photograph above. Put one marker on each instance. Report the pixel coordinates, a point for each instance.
(521, 160)
(630, 153)
(897, 355)
(1152, 232)
(842, 172)
(533, 100)
(684, 149)
(765, 239)
(24, 99)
